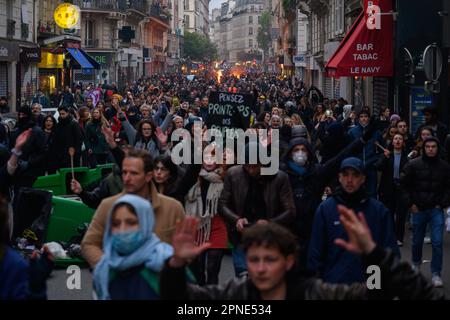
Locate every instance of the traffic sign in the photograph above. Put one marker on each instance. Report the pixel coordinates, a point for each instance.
(432, 62)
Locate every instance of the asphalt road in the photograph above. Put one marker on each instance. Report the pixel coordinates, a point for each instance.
(58, 290)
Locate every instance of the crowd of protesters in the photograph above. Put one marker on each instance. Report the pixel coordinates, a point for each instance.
(331, 155)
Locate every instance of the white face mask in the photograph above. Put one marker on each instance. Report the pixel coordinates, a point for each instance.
(300, 158)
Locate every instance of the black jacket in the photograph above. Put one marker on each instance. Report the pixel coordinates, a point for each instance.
(426, 183)
(32, 160)
(308, 189)
(398, 280)
(386, 167)
(67, 134)
(277, 197)
(111, 185)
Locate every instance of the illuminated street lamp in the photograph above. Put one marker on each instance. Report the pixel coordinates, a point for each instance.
(67, 16)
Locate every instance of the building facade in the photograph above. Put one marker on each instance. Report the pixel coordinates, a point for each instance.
(196, 16)
(19, 53)
(236, 30)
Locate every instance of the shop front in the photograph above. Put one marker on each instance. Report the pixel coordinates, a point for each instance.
(51, 71)
(365, 56)
(27, 74)
(9, 53)
(63, 66)
(106, 71)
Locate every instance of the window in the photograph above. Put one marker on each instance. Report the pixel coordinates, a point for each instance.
(252, 9)
(89, 31)
(250, 31)
(187, 21)
(339, 16)
(250, 43)
(250, 19)
(186, 4)
(259, 19)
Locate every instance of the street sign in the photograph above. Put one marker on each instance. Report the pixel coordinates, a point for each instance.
(432, 62)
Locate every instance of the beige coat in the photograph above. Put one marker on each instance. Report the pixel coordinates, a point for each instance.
(167, 212)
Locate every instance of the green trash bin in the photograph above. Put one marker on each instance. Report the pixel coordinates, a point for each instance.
(59, 183)
(67, 215)
(95, 175)
(50, 183)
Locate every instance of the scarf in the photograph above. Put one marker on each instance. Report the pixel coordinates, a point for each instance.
(152, 253)
(296, 168)
(194, 203)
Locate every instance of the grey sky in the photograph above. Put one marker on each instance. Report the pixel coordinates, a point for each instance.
(215, 4)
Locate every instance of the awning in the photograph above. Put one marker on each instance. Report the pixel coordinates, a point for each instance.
(80, 58)
(365, 52)
(83, 59)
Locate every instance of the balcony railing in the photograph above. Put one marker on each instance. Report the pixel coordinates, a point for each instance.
(10, 28)
(157, 11)
(46, 27)
(91, 43)
(158, 49)
(115, 5)
(138, 5)
(25, 30)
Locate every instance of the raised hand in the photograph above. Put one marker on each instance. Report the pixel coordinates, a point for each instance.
(184, 246)
(360, 239)
(109, 136)
(162, 137)
(22, 139)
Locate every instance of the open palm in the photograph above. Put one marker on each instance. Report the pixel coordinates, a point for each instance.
(162, 137)
(22, 139)
(184, 240)
(359, 236)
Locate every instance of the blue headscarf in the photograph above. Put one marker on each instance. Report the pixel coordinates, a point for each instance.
(152, 253)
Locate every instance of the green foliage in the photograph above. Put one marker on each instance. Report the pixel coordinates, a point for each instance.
(264, 33)
(198, 47)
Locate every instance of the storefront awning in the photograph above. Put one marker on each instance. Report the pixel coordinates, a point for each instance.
(364, 51)
(83, 59)
(80, 58)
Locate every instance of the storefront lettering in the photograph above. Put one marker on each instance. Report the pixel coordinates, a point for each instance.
(100, 59)
(32, 55)
(365, 56)
(364, 70)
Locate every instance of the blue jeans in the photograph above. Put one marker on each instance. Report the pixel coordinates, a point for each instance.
(420, 220)
(239, 262)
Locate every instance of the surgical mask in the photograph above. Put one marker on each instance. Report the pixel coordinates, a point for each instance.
(126, 243)
(300, 158)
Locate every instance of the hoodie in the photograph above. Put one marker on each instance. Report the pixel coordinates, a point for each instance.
(335, 264)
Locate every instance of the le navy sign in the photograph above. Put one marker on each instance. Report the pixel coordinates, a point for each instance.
(30, 55)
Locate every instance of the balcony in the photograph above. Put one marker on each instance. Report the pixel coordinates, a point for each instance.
(139, 6)
(25, 30)
(159, 12)
(158, 49)
(46, 29)
(101, 5)
(91, 43)
(10, 28)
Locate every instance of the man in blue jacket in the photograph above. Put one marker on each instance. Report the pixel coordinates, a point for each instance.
(334, 264)
(369, 155)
